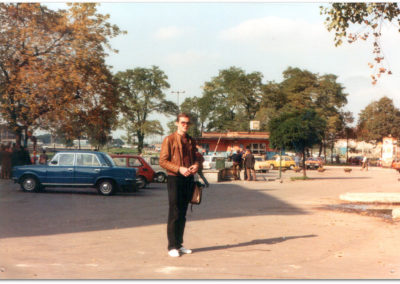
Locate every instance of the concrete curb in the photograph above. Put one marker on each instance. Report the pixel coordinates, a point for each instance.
(379, 197)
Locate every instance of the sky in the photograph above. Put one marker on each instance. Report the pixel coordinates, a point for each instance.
(192, 41)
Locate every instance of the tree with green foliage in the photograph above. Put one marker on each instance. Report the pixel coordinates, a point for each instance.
(360, 21)
(297, 130)
(233, 99)
(141, 93)
(379, 119)
(302, 89)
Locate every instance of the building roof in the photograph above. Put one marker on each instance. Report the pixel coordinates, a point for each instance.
(235, 135)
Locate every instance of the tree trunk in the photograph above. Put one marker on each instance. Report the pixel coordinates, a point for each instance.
(26, 137)
(140, 137)
(304, 163)
(332, 146)
(325, 150)
(320, 148)
(18, 138)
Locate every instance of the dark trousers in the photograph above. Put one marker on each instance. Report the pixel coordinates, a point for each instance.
(180, 191)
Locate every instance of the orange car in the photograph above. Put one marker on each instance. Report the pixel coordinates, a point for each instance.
(396, 165)
(314, 163)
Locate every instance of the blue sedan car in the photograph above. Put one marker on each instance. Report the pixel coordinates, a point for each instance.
(77, 169)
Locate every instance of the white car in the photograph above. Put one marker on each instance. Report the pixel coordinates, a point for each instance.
(211, 161)
(161, 173)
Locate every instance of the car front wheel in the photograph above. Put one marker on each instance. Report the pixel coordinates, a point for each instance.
(106, 187)
(30, 184)
(141, 182)
(160, 177)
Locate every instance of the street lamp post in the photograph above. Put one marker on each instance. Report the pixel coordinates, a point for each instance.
(178, 92)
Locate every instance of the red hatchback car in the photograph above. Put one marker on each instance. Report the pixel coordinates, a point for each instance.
(144, 172)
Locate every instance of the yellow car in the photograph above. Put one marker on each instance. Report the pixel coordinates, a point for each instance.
(287, 162)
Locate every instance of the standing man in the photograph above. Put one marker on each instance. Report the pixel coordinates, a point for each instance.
(237, 163)
(249, 162)
(178, 157)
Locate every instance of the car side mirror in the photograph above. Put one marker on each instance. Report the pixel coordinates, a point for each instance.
(54, 162)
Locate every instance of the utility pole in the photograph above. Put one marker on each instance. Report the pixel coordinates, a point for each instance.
(178, 92)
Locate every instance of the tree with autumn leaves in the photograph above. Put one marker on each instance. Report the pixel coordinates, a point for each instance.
(52, 68)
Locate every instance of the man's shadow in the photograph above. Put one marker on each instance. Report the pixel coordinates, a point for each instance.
(253, 242)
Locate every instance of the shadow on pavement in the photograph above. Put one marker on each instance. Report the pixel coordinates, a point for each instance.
(341, 178)
(60, 211)
(253, 242)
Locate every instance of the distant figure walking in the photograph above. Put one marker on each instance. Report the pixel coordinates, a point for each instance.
(297, 160)
(200, 159)
(364, 163)
(249, 162)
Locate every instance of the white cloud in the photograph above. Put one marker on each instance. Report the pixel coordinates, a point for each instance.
(277, 33)
(171, 32)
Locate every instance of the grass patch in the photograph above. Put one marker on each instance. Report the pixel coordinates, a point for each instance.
(299, 178)
(120, 151)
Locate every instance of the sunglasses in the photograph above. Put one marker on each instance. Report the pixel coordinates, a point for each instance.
(185, 122)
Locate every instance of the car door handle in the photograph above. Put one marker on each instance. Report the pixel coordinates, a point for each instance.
(97, 170)
(70, 169)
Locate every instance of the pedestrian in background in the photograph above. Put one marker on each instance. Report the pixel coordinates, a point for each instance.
(6, 162)
(237, 164)
(249, 162)
(243, 166)
(43, 158)
(178, 157)
(200, 160)
(364, 163)
(297, 160)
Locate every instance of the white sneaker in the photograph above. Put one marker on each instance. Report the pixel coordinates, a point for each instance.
(185, 250)
(174, 253)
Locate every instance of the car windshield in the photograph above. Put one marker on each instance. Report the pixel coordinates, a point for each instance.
(258, 159)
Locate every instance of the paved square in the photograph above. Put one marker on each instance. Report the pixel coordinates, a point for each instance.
(242, 230)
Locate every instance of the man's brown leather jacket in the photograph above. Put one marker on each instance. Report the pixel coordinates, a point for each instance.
(171, 153)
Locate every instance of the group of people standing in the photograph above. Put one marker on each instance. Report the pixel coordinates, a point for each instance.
(244, 160)
(16, 155)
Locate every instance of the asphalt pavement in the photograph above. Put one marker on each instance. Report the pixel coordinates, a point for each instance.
(241, 230)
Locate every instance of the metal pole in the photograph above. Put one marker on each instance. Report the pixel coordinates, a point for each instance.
(178, 92)
(280, 165)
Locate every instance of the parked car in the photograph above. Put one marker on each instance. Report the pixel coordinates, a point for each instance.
(287, 162)
(76, 169)
(355, 160)
(144, 173)
(161, 173)
(210, 162)
(314, 163)
(260, 164)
